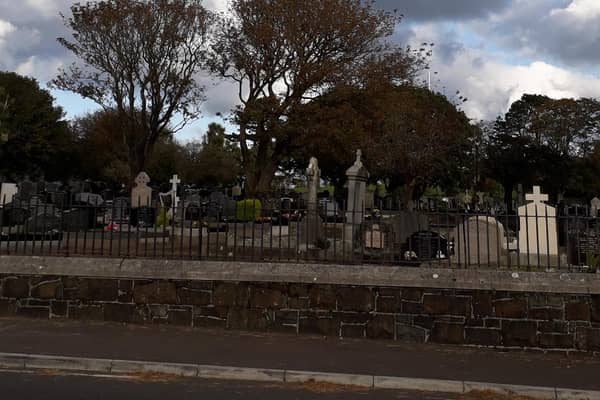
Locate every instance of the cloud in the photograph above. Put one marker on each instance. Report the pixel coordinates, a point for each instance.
(428, 10)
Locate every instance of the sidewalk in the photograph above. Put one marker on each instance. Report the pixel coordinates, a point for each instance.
(228, 348)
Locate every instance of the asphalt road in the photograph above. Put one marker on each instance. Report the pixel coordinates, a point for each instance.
(18, 385)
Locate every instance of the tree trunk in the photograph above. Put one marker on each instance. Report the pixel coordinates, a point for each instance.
(508, 191)
(407, 197)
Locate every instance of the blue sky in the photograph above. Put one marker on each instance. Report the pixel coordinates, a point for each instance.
(493, 51)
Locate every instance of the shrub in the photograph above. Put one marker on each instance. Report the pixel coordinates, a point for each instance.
(248, 210)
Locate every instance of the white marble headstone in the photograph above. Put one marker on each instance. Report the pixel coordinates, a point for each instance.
(7, 192)
(537, 227)
(141, 194)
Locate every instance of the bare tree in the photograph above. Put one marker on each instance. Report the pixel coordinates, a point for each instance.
(140, 58)
(282, 53)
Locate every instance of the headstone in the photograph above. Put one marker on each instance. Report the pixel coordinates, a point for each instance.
(143, 217)
(141, 194)
(120, 210)
(312, 229)
(405, 223)
(7, 192)
(375, 238)
(357, 186)
(236, 191)
(538, 238)
(90, 199)
(44, 219)
(79, 219)
(479, 241)
(595, 207)
(27, 189)
(369, 199)
(426, 245)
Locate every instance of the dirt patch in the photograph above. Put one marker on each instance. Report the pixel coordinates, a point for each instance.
(325, 387)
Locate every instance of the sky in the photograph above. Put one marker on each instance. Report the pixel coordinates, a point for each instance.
(492, 51)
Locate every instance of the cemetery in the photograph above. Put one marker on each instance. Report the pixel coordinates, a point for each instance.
(89, 219)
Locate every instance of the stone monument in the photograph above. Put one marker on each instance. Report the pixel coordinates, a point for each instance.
(313, 227)
(538, 238)
(357, 186)
(480, 241)
(141, 194)
(595, 207)
(7, 192)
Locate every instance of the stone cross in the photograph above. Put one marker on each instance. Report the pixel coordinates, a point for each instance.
(174, 199)
(537, 197)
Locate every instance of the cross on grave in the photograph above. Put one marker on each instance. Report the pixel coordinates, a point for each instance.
(174, 182)
(537, 197)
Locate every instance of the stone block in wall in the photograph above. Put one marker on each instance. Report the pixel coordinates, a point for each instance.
(193, 297)
(546, 313)
(355, 299)
(59, 308)
(230, 294)
(553, 326)
(210, 322)
(510, 308)
(125, 294)
(15, 288)
(155, 293)
(86, 312)
(34, 312)
(519, 333)
(158, 311)
(264, 297)
(446, 305)
(353, 330)
(578, 311)
(381, 327)
(482, 304)
(286, 321)
(587, 339)
(412, 294)
(493, 323)
(388, 304)
(483, 336)
(319, 324)
(556, 341)
(249, 319)
(8, 308)
(47, 290)
(423, 321)
(475, 322)
(128, 313)
(322, 297)
(180, 316)
(411, 307)
(351, 317)
(92, 290)
(444, 332)
(410, 333)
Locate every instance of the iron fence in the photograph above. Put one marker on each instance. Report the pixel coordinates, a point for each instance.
(284, 232)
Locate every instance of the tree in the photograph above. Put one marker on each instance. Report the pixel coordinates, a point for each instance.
(282, 53)
(35, 139)
(139, 58)
(406, 133)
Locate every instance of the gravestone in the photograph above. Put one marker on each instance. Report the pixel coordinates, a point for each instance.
(426, 245)
(375, 237)
(27, 189)
(44, 220)
(357, 187)
(7, 192)
(236, 191)
(141, 194)
(538, 238)
(143, 217)
(312, 229)
(595, 207)
(405, 223)
(479, 241)
(120, 210)
(89, 199)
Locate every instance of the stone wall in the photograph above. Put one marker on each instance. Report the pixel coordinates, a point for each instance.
(455, 316)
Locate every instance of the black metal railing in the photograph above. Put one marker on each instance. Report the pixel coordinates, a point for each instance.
(284, 232)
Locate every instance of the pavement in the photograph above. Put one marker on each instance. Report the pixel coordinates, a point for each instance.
(167, 344)
(16, 386)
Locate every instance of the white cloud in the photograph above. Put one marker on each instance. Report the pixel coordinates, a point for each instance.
(579, 9)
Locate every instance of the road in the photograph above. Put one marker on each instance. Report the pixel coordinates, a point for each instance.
(18, 385)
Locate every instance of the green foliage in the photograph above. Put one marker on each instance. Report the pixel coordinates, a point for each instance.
(248, 210)
(162, 219)
(35, 140)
